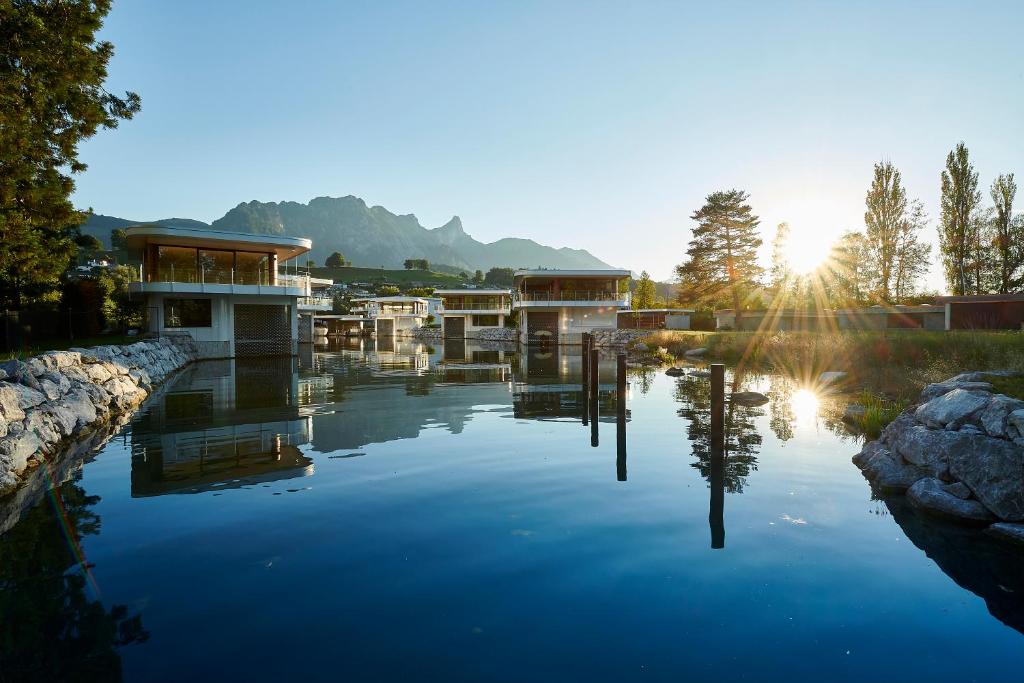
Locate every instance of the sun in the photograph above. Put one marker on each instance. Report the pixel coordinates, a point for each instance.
(807, 254)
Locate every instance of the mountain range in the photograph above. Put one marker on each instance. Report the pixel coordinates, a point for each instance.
(370, 235)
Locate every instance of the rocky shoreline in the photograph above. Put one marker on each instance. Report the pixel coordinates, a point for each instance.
(52, 400)
(958, 453)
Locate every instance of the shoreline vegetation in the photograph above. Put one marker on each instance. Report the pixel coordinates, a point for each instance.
(885, 370)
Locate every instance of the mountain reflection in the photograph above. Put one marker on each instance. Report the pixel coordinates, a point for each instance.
(51, 628)
(741, 440)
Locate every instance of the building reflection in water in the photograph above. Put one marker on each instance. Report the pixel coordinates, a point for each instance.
(221, 424)
(548, 384)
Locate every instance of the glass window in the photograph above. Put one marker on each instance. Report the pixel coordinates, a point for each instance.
(215, 266)
(252, 268)
(176, 264)
(485, 320)
(187, 313)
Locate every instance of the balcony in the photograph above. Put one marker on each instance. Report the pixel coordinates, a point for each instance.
(570, 297)
(167, 278)
(316, 302)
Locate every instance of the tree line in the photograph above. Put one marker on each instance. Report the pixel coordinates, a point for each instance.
(981, 247)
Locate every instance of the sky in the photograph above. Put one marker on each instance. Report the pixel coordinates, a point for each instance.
(586, 124)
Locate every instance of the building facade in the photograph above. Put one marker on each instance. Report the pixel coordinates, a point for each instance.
(558, 306)
(393, 315)
(222, 289)
(468, 312)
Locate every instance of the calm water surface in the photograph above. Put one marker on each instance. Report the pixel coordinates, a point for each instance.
(405, 512)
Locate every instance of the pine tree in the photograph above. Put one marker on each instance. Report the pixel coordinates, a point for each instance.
(884, 216)
(52, 70)
(645, 293)
(721, 264)
(958, 225)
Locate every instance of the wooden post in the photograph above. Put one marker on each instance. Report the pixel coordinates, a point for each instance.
(595, 382)
(716, 516)
(620, 418)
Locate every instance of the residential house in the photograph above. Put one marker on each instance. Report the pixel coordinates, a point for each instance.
(558, 306)
(468, 312)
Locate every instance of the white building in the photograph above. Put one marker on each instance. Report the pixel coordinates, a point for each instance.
(221, 288)
(558, 306)
(393, 315)
(467, 312)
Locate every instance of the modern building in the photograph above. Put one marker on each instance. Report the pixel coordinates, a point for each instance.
(393, 315)
(655, 319)
(467, 312)
(558, 306)
(984, 312)
(221, 288)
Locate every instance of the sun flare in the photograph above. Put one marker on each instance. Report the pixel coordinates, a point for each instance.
(805, 405)
(806, 255)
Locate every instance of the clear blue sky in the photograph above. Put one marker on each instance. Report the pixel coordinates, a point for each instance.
(596, 125)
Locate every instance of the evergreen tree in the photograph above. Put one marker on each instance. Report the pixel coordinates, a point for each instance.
(884, 217)
(958, 225)
(1009, 242)
(721, 264)
(478, 277)
(645, 294)
(52, 71)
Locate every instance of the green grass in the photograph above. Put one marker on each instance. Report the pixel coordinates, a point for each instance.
(1011, 386)
(878, 412)
(60, 344)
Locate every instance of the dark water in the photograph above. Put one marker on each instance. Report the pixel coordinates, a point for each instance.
(414, 513)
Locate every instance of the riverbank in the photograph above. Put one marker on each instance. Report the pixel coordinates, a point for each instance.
(52, 400)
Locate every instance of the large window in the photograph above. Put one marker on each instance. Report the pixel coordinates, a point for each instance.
(187, 313)
(176, 264)
(215, 266)
(485, 320)
(252, 268)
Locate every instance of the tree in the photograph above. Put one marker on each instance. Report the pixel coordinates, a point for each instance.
(645, 293)
(388, 290)
(119, 244)
(781, 272)
(51, 98)
(335, 260)
(722, 256)
(958, 225)
(847, 275)
(417, 264)
(118, 309)
(912, 256)
(478, 277)
(1009, 242)
(88, 245)
(886, 207)
(500, 277)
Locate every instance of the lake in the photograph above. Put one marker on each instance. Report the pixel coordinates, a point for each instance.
(397, 511)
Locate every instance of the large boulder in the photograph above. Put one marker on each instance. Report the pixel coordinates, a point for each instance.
(10, 404)
(887, 470)
(20, 373)
(952, 409)
(931, 496)
(929, 449)
(1007, 532)
(28, 397)
(994, 471)
(993, 418)
(940, 388)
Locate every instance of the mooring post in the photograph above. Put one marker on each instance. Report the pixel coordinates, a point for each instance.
(620, 417)
(716, 516)
(585, 362)
(595, 383)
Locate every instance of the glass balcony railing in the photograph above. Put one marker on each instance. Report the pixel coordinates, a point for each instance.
(572, 295)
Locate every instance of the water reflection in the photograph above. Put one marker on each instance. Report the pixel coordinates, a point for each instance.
(223, 424)
(52, 625)
(549, 385)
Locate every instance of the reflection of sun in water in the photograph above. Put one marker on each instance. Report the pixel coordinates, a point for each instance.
(805, 406)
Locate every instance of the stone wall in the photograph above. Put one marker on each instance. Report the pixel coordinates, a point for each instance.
(617, 337)
(53, 399)
(958, 453)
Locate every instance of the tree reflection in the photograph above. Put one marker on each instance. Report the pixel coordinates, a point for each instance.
(51, 629)
(741, 437)
(782, 418)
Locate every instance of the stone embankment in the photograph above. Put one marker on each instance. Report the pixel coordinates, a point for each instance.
(50, 400)
(495, 334)
(958, 453)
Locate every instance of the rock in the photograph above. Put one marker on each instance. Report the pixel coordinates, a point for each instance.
(1007, 532)
(993, 417)
(695, 353)
(20, 373)
(930, 496)
(58, 378)
(640, 347)
(80, 405)
(958, 489)
(1015, 421)
(49, 389)
(902, 423)
(97, 372)
(10, 405)
(748, 398)
(935, 390)
(62, 359)
(63, 419)
(886, 469)
(853, 412)
(831, 377)
(675, 372)
(16, 449)
(955, 407)
(27, 397)
(42, 424)
(700, 373)
(929, 449)
(966, 429)
(980, 376)
(994, 471)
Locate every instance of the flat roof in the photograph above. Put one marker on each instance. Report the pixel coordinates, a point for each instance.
(656, 310)
(485, 292)
(544, 272)
(285, 247)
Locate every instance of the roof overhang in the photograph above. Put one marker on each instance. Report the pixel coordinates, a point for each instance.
(285, 247)
(598, 273)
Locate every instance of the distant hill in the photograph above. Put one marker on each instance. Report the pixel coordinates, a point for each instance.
(372, 236)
